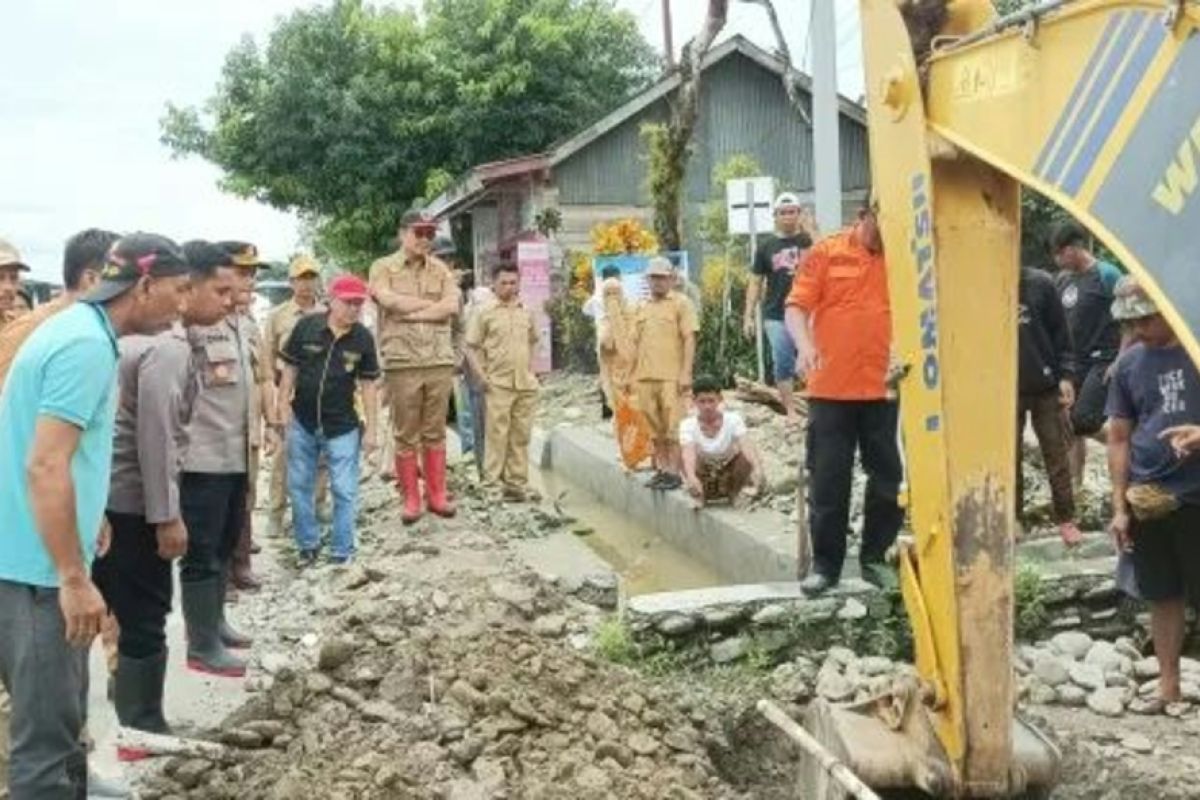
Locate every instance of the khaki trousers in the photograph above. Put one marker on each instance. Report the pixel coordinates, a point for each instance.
(509, 423)
(420, 401)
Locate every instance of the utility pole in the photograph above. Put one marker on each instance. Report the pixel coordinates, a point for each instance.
(827, 160)
(668, 38)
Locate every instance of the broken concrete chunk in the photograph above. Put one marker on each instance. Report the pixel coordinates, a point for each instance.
(335, 652)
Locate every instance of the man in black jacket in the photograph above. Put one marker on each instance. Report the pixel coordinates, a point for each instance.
(1046, 390)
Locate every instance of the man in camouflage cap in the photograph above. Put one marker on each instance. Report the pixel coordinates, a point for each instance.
(1155, 486)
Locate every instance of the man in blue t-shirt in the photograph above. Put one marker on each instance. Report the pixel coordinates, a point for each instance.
(1156, 487)
(57, 411)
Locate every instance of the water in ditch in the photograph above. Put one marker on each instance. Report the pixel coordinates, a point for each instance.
(646, 562)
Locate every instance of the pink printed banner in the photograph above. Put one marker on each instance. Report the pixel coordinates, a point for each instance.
(533, 263)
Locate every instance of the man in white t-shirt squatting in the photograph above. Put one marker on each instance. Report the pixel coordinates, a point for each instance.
(719, 459)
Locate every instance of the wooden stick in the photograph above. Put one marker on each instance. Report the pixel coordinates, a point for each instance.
(836, 769)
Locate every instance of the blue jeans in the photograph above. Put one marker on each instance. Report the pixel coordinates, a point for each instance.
(463, 416)
(304, 450)
(783, 349)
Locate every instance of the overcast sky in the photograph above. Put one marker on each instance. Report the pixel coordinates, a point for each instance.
(84, 84)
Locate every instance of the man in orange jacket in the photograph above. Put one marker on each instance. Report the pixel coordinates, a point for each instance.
(839, 316)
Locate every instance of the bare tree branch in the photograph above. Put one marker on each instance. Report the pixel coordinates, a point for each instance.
(671, 147)
(790, 76)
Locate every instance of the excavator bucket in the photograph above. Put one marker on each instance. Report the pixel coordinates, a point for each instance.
(902, 761)
(1090, 103)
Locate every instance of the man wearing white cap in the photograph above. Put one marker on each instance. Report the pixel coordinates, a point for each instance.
(771, 274)
(664, 344)
(11, 267)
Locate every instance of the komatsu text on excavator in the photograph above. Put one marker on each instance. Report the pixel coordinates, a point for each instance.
(1096, 105)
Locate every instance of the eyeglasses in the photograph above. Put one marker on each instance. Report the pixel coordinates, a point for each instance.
(425, 233)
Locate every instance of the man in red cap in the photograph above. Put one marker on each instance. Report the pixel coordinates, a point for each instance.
(418, 298)
(327, 357)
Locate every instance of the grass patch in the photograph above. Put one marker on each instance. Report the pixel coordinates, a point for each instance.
(1029, 594)
(614, 641)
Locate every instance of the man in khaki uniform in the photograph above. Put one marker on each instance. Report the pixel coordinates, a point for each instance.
(664, 346)
(418, 298)
(500, 341)
(304, 274)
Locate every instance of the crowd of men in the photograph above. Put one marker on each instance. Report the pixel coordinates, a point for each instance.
(137, 404)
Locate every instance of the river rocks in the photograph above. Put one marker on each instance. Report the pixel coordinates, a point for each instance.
(873, 666)
(1051, 670)
(675, 625)
(1071, 695)
(1108, 702)
(1105, 656)
(729, 650)
(1089, 676)
(723, 618)
(1073, 644)
(1146, 668)
(852, 610)
(1040, 694)
(772, 614)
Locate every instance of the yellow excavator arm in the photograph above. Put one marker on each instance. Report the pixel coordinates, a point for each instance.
(1095, 104)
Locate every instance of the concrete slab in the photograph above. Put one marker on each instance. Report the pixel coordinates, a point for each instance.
(741, 547)
(693, 600)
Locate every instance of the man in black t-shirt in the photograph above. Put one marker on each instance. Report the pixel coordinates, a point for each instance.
(328, 358)
(771, 274)
(1085, 285)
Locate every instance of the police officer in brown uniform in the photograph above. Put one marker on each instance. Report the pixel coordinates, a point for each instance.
(304, 275)
(214, 485)
(247, 263)
(418, 297)
(500, 341)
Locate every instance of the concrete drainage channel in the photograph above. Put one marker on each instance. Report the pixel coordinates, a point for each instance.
(722, 582)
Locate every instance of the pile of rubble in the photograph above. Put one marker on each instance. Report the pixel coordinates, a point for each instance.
(443, 669)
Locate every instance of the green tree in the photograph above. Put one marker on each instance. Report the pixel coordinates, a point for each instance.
(351, 113)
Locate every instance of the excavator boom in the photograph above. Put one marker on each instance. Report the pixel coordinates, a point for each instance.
(1095, 104)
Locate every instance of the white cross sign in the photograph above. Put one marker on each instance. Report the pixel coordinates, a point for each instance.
(749, 202)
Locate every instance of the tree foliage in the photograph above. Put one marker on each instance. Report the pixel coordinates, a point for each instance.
(349, 113)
